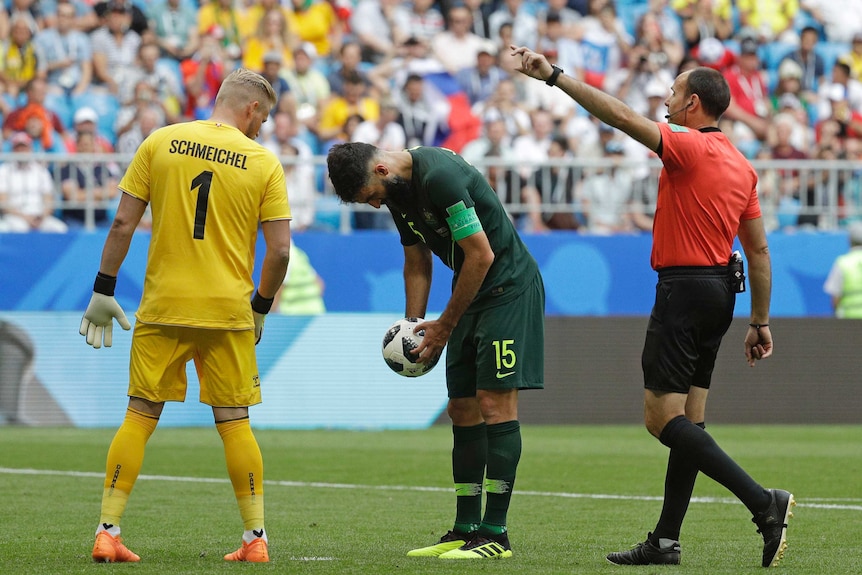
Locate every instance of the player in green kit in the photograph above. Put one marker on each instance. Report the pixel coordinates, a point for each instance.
(210, 186)
(493, 321)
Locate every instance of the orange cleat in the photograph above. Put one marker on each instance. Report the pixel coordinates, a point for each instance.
(110, 549)
(254, 552)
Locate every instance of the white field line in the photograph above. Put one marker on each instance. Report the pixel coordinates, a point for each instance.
(844, 504)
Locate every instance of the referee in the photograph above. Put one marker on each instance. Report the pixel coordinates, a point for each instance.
(706, 198)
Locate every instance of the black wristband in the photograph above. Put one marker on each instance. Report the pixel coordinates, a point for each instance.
(261, 304)
(105, 284)
(758, 325)
(552, 79)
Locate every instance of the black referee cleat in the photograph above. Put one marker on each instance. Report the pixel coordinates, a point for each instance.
(772, 524)
(667, 553)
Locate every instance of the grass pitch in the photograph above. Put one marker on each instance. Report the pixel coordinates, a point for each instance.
(355, 502)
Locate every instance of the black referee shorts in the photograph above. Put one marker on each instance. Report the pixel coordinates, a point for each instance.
(692, 312)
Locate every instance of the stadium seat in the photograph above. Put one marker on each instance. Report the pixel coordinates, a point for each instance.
(830, 51)
(60, 105)
(772, 53)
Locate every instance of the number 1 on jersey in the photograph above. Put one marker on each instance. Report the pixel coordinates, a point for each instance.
(203, 181)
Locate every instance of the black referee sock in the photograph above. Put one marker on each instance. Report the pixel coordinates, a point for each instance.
(469, 455)
(697, 445)
(678, 487)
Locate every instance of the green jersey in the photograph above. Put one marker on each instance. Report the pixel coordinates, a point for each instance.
(451, 200)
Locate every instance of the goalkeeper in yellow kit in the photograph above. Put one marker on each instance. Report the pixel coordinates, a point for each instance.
(208, 184)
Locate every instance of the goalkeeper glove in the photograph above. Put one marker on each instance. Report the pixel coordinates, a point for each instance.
(260, 306)
(98, 321)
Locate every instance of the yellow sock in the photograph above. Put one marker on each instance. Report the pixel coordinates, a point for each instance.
(245, 468)
(125, 457)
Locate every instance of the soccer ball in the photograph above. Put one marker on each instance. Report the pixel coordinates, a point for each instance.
(398, 345)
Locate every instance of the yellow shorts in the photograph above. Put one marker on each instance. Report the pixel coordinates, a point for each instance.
(225, 362)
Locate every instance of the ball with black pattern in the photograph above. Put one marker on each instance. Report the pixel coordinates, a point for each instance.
(399, 344)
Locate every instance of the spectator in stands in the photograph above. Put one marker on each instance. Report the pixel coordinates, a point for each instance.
(494, 142)
(316, 21)
(668, 23)
(115, 48)
(553, 192)
(811, 63)
(374, 24)
(842, 86)
(605, 194)
(385, 133)
(423, 117)
(27, 192)
(162, 78)
(605, 43)
(656, 93)
(457, 47)
(272, 66)
(567, 17)
(414, 58)
(531, 148)
(253, 12)
(144, 97)
(349, 61)
(21, 59)
(772, 19)
(68, 53)
(146, 121)
(840, 19)
(299, 179)
(308, 86)
(480, 81)
(505, 105)
(525, 27)
(702, 19)
(221, 19)
(790, 83)
(645, 67)
(842, 113)
(31, 9)
(480, 12)
(854, 57)
(791, 110)
(86, 121)
(844, 282)
(175, 26)
(203, 74)
(420, 19)
(535, 95)
(338, 109)
(87, 183)
(556, 39)
(35, 91)
(749, 99)
(137, 19)
(272, 34)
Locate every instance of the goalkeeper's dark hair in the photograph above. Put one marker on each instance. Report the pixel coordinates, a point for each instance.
(349, 168)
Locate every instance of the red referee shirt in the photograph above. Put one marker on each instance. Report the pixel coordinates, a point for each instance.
(706, 188)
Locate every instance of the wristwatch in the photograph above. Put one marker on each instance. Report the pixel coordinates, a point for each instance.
(552, 79)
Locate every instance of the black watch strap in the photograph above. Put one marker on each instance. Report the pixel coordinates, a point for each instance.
(552, 79)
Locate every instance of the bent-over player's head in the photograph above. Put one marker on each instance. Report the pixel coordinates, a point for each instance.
(247, 93)
(711, 88)
(350, 168)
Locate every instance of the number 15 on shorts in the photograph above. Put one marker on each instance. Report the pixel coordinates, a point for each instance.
(505, 357)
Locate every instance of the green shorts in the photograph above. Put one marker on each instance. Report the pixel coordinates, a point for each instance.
(502, 347)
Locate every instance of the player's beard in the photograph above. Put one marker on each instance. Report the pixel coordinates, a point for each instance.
(397, 192)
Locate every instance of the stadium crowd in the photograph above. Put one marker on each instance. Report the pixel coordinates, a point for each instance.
(92, 78)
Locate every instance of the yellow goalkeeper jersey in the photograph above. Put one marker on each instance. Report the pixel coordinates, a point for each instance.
(208, 186)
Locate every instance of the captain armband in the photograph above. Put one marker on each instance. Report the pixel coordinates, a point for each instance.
(463, 221)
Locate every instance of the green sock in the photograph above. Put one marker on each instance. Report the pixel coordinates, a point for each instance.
(504, 452)
(469, 453)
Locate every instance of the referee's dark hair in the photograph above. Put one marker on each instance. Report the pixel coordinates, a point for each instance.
(349, 168)
(712, 89)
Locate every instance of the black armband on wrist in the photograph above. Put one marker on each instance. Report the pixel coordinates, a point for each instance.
(552, 79)
(261, 304)
(105, 284)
